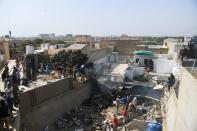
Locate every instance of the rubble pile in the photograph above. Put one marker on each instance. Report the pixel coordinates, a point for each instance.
(97, 113)
(78, 118)
(88, 116)
(50, 76)
(136, 124)
(148, 111)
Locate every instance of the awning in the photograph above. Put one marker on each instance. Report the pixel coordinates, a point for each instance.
(143, 52)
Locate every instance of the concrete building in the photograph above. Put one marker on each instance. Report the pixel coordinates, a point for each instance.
(69, 35)
(15, 43)
(124, 37)
(84, 48)
(46, 36)
(123, 47)
(44, 46)
(118, 72)
(157, 49)
(85, 39)
(4, 49)
(175, 46)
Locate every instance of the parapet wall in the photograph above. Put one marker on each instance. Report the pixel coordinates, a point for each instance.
(98, 54)
(38, 95)
(182, 111)
(50, 105)
(123, 47)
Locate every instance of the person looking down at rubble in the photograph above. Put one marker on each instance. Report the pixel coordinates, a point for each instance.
(9, 98)
(5, 75)
(171, 81)
(2, 95)
(15, 84)
(124, 114)
(172, 78)
(115, 122)
(47, 68)
(134, 101)
(131, 107)
(16, 76)
(124, 101)
(117, 104)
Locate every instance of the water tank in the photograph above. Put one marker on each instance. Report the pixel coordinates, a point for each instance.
(154, 126)
(29, 49)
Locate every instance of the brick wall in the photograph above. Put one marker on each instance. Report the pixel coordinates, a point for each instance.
(124, 47)
(38, 95)
(46, 104)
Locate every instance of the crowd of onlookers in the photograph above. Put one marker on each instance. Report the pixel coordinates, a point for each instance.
(9, 96)
(77, 71)
(129, 106)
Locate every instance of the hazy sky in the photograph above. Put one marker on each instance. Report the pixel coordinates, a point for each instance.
(99, 17)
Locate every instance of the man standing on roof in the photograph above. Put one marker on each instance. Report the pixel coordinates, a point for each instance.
(115, 122)
(5, 75)
(117, 104)
(9, 97)
(171, 81)
(15, 84)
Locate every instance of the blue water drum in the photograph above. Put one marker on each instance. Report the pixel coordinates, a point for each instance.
(154, 126)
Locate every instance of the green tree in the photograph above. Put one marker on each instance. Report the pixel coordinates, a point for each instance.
(27, 42)
(38, 42)
(68, 59)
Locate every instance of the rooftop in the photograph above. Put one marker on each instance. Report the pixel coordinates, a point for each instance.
(76, 46)
(119, 69)
(151, 46)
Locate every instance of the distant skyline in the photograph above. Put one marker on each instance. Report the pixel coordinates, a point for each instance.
(99, 17)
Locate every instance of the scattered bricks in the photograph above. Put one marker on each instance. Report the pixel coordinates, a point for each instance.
(77, 123)
(120, 120)
(64, 120)
(60, 124)
(136, 125)
(78, 129)
(92, 114)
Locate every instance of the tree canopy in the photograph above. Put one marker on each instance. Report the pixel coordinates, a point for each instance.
(38, 42)
(190, 50)
(69, 59)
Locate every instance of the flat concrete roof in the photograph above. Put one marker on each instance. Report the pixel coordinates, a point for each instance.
(151, 46)
(119, 69)
(76, 46)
